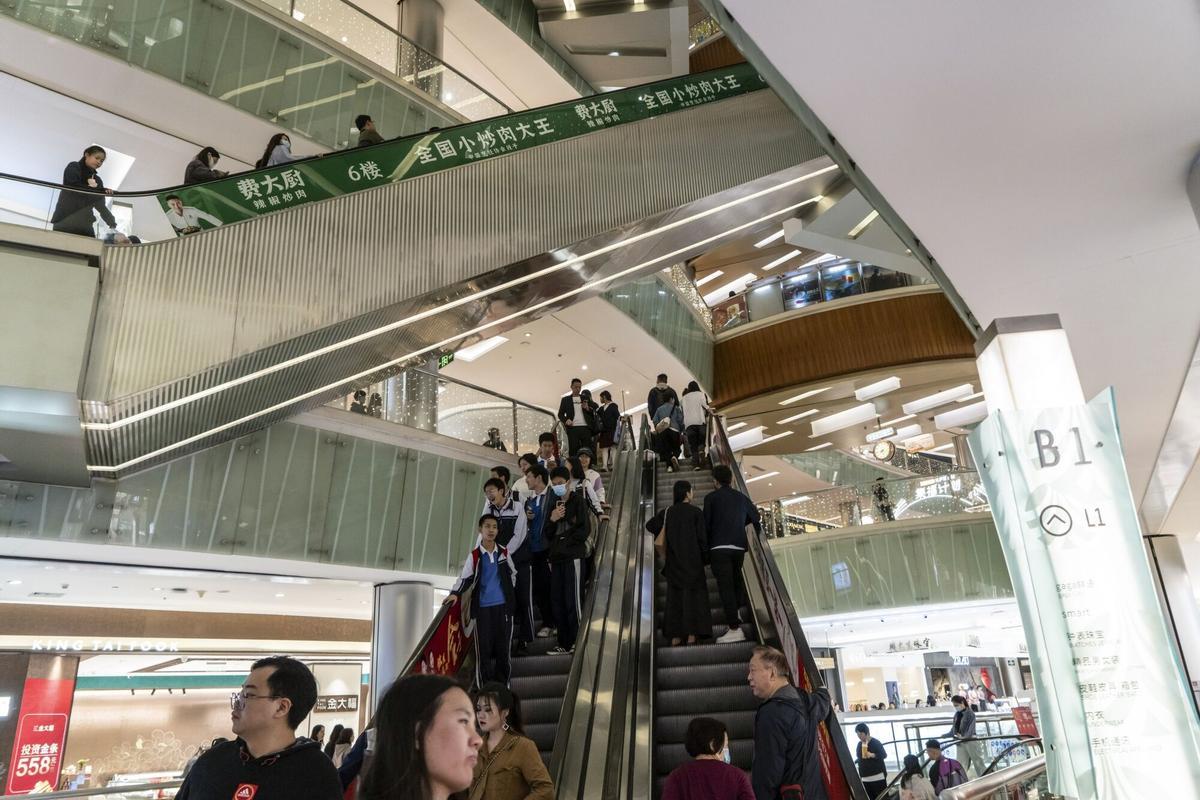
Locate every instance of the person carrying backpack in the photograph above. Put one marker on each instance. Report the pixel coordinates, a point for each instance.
(944, 772)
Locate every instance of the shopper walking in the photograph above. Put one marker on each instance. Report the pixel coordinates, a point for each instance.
(75, 210)
(969, 751)
(944, 772)
(727, 512)
(318, 735)
(709, 776)
(578, 413)
(681, 541)
(510, 766)
(427, 746)
(870, 758)
(203, 167)
(610, 423)
(913, 783)
(344, 743)
(276, 697)
(490, 572)
(668, 428)
(695, 417)
(331, 743)
(279, 151)
(658, 394)
(567, 530)
(785, 730)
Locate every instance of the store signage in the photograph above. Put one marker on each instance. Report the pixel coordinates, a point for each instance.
(41, 735)
(250, 195)
(446, 649)
(909, 646)
(1026, 724)
(960, 661)
(105, 646)
(1114, 705)
(336, 702)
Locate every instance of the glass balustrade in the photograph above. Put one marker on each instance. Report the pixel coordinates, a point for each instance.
(891, 500)
(800, 288)
(243, 53)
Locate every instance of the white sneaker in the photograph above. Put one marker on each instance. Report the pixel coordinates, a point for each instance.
(733, 635)
(545, 633)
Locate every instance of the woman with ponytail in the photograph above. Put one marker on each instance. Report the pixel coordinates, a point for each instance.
(510, 767)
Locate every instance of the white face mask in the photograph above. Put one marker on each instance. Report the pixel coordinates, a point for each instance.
(662, 386)
(725, 755)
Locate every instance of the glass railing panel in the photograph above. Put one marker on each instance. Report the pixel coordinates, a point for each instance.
(351, 26)
(532, 423)
(894, 499)
(662, 313)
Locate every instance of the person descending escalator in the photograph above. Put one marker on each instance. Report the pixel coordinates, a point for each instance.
(681, 540)
(509, 766)
(785, 731)
(203, 167)
(566, 529)
(75, 211)
(279, 151)
(367, 134)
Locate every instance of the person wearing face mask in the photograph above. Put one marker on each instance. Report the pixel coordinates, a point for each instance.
(426, 747)
(969, 751)
(279, 151)
(509, 766)
(709, 776)
(73, 213)
(203, 167)
(566, 529)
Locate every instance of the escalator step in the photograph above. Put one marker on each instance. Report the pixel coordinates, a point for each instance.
(719, 629)
(673, 729)
(705, 654)
(669, 756)
(700, 676)
(717, 615)
(542, 734)
(534, 686)
(543, 709)
(540, 665)
(701, 701)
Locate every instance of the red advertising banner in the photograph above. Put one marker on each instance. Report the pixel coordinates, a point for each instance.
(41, 735)
(1026, 724)
(450, 643)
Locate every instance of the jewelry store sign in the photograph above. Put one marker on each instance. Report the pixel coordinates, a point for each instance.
(1114, 706)
(96, 645)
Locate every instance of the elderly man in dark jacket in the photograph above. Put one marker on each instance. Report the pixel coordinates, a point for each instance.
(785, 732)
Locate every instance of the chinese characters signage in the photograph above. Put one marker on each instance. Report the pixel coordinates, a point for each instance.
(336, 702)
(241, 197)
(41, 735)
(1113, 704)
(446, 651)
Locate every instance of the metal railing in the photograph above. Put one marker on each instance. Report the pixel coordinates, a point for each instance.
(1000, 785)
(1003, 764)
(805, 286)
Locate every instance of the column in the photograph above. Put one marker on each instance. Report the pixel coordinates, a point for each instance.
(421, 23)
(403, 610)
(1112, 701)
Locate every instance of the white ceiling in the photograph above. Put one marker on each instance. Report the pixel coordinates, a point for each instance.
(1039, 150)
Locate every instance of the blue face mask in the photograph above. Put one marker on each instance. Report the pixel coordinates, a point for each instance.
(725, 755)
(560, 489)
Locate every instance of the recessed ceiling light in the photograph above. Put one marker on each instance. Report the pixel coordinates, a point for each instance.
(712, 276)
(905, 418)
(569, 5)
(615, 53)
(764, 475)
(156, 589)
(735, 426)
(938, 399)
(528, 334)
(856, 415)
(776, 436)
(862, 226)
(801, 415)
(975, 396)
(584, 367)
(803, 396)
(818, 447)
(279, 594)
(478, 349)
(781, 259)
(773, 237)
(14, 582)
(794, 500)
(878, 388)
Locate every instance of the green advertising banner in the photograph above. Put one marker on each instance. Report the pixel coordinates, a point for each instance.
(251, 194)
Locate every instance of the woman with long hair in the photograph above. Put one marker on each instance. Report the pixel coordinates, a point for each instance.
(279, 151)
(695, 417)
(509, 766)
(332, 741)
(203, 167)
(426, 745)
(344, 743)
(913, 783)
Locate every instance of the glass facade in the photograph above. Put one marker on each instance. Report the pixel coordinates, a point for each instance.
(652, 304)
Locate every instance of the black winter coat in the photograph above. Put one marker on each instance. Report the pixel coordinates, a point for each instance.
(687, 545)
(568, 537)
(785, 743)
(73, 211)
(199, 172)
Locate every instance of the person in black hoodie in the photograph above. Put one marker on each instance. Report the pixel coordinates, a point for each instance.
(203, 167)
(566, 529)
(267, 761)
(727, 512)
(73, 211)
(785, 732)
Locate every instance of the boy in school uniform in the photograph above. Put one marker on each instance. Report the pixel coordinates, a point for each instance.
(487, 568)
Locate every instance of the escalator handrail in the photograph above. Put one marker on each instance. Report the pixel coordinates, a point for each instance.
(948, 742)
(641, 779)
(409, 138)
(987, 785)
(720, 452)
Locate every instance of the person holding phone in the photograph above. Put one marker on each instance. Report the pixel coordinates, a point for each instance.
(567, 531)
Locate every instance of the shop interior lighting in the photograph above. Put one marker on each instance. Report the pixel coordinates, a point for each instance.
(735, 286)
(819, 447)
(905, 418)
(857, 415)
(774, 237)
(712, 276)
(569, 5)
(878, 388)
(783, 258)
(818, 260)
(961, 416)
(479, 349)
(764, 475)
(940, 399)
(882, 433)
(862, 226)
(801, 415)
(458, 337)
(803, 396)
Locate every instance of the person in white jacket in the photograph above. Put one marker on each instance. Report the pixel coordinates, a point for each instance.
(695, 417)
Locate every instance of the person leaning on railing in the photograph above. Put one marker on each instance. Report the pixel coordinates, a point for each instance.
(73, 213)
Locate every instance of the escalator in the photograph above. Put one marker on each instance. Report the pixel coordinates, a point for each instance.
(710, 679)
(342, 270)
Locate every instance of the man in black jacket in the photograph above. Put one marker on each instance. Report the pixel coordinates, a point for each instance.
(727, 512)
(578, 413)
(267, 761)
(567, 530)
(659, 394)
(785, 731)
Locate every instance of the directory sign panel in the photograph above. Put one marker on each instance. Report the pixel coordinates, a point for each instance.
(1114, 706)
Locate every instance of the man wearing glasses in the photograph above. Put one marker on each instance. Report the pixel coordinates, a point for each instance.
(267, 761)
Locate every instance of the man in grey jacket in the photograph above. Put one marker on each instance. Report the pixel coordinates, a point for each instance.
(785, 731)
(969, 752)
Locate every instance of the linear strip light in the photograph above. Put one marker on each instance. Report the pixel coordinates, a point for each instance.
(907, 432)
(782, 259)
(593, 386)
(975, 396)
(764, 475)
(940, 399)
(479, 349)
(878, 388)
(961, 416)
(801, 415)
(773, 438)
(712, 276)
(475, 296)
(733, 287)
(636, 409)
(882, 433)
(862, 226)
(819, 447)
(735, 426)
(818, 260)
(844, 419)
(773, 237)
(401, 359)
(940, 449)
(791, 501)
(803, 396)
(905, 418)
